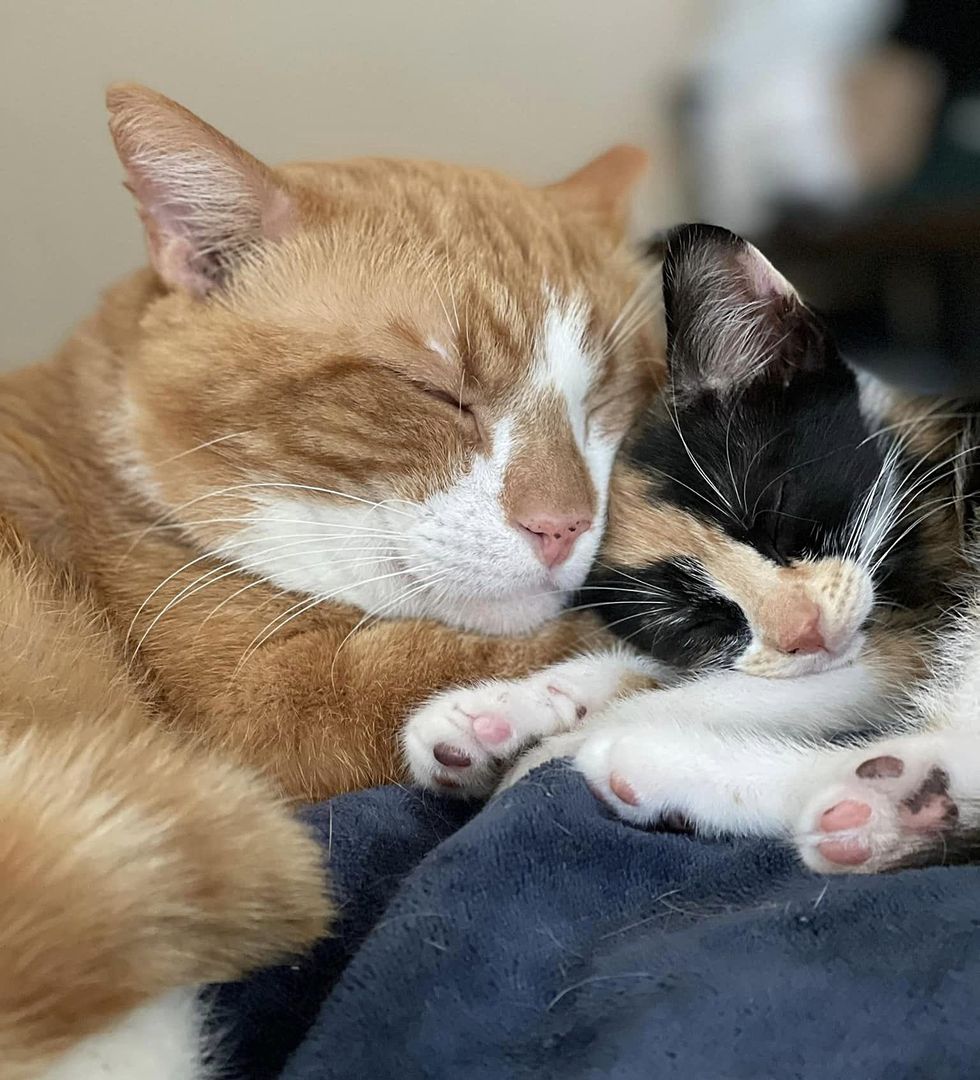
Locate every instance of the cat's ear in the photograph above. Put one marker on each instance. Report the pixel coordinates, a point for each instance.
(732, 317)
(604, 187)
(204, 201)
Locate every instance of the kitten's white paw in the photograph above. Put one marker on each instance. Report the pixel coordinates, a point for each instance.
(890, 805)
(637, 773)
(462, 740)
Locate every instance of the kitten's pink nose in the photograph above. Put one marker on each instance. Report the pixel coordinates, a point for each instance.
(800, 631)
(555, 536)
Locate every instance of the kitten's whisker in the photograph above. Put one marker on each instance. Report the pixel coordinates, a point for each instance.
(755, 457)
(944, 504)
(694, 491)
(672, 413)
(792, 468)
(899, 507)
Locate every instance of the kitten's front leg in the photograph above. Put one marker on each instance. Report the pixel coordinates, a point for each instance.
(912, 799)
(715, 749)
(462, 739)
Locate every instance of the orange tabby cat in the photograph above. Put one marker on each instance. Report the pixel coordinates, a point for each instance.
(346, 442)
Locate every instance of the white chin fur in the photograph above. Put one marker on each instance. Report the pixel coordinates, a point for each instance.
(766, 663)
(160, 1041)
(454, 558)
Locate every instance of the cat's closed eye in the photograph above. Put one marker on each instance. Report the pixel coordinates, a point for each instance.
(447, 397)
(444, 395)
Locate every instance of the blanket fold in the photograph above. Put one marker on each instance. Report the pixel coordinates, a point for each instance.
(543, 938)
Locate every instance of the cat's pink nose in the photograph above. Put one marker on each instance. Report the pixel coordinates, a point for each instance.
(555, 536)
(800, 631)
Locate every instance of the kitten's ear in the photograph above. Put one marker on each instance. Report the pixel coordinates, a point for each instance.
(204, 201)
(603, 188)
(731, 315)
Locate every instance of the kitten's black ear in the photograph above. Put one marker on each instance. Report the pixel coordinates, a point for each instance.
(732, 318)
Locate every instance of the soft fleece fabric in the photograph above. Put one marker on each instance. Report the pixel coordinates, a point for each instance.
(541, 938)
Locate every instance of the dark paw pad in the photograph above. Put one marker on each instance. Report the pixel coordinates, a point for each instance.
(930, 807)
(450, 757)
(880, 768)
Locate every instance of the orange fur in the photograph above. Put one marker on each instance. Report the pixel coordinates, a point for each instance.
(120, 781)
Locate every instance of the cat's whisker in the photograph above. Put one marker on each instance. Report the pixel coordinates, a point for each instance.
(425, 261)
(164, 519)
(223, 570)
(202, 446)
(452, 291)
(640, 305)
(361, 530)
(224, 548)
(407, 594)
(275, 625)
(646, 586)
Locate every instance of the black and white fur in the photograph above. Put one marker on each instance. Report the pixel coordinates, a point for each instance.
(789, 463)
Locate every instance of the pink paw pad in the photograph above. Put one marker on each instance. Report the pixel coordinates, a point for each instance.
(848, 814)
(845, 852)
(492, 729)
(623, 790)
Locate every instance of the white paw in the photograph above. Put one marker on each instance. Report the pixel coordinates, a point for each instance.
(636, 773)
(890, 805)
(463, 740)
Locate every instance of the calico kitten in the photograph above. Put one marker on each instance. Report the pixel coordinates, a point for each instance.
(345, 442)
(779, 516)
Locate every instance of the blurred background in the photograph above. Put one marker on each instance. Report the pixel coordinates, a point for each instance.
(843, 136)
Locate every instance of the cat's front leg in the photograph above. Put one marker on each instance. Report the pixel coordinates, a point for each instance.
(462, 740)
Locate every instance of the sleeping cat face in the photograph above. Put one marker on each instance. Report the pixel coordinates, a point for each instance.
(406, 382)
(757, 527)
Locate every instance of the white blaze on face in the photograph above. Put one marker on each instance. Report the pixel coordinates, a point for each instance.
(454, 557)
(566, 363)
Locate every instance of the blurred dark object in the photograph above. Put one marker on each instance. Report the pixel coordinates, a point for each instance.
(898, 275)
(896, 268)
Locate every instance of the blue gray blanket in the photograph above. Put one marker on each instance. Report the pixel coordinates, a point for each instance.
(541, 938)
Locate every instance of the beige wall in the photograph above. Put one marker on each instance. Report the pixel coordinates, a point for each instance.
(529, 86)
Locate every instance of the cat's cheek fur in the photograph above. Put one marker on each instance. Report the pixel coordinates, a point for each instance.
(454, 557)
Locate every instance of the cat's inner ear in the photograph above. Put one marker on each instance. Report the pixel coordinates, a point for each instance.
(732, 317)
(204, 201)
(604, 187)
